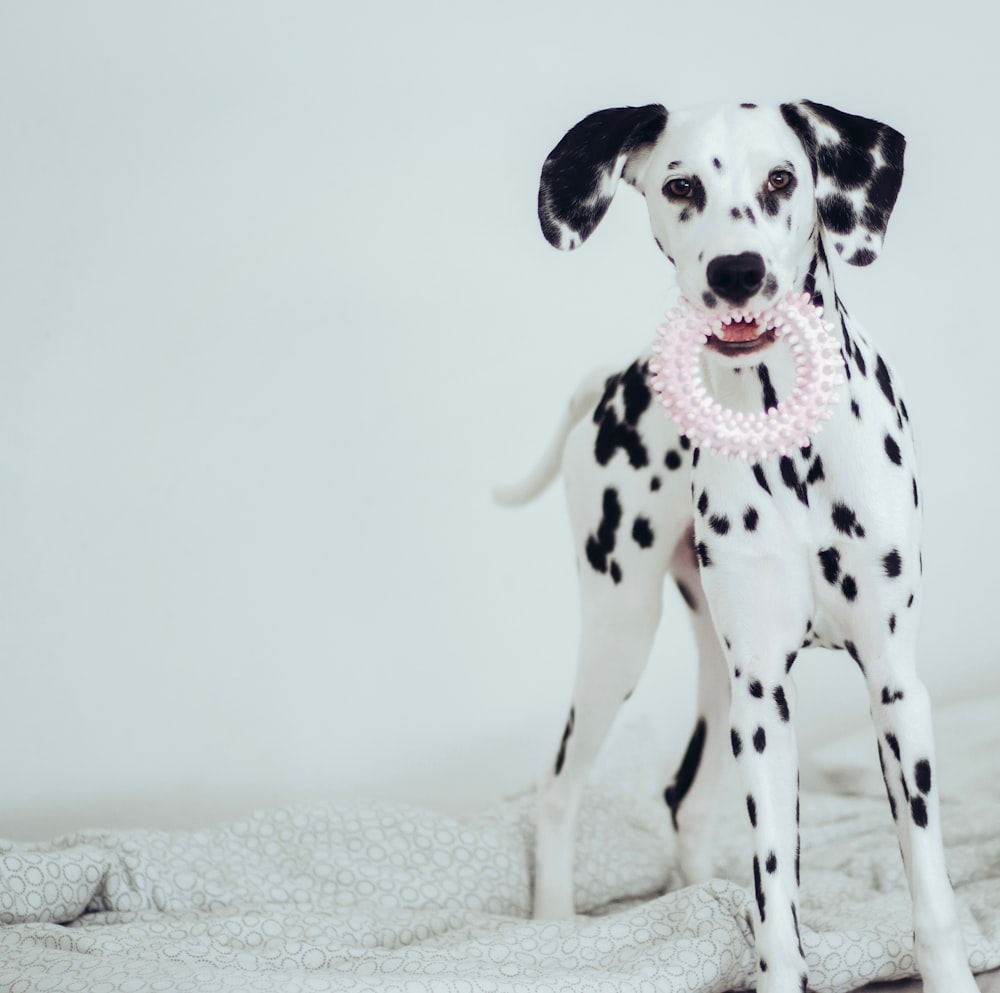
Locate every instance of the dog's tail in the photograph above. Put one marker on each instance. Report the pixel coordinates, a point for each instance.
(582, 402)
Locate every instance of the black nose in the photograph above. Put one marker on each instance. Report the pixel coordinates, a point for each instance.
(736, 278)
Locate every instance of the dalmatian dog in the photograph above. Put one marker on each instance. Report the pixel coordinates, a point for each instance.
(819, 547)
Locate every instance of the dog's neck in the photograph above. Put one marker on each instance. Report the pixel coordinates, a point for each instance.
(765, 378)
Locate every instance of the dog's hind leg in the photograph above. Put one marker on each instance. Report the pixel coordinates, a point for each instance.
(622, 564)
(619, 624)
(629, 503)
(693, 794)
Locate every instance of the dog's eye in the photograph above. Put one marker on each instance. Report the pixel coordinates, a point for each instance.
(780, 179)
(677, 189)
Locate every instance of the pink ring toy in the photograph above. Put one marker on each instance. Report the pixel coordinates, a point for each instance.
(676, 377)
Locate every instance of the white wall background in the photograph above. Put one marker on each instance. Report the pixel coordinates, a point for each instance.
(275, 315)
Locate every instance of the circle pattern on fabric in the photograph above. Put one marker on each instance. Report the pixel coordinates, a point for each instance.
(324, 898)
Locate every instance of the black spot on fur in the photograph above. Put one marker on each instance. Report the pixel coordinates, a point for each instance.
(758, 474)
(845, 521)
(602, 544)
(698, 197)
(893, 564)
(771, 865)
(614, 570)
(852, 650)
(613, 434)
(781, 703)
(849, 164)
(642, 533)
(758, 888)
(829, 559)
(672, 460)
(719, 523)
(916, 498)
(892, 450)
(815, 472)
(790, 477)
(849, 588)
(703, 503)
(790, 660)
(752, 810)
(837, 213)
(756, 688)
(561, 757)
(918, 809)
(750, 518)
(855, 409)
(890, 696)
(654, 483)
(884, 379)
(863, 256)
(736, 741)
(885, 779)
(892, 624)
(922, 775)
(759, 740)
(675, 793)
(893, 743)
(769, 396)
(859, 360)
(769, 201)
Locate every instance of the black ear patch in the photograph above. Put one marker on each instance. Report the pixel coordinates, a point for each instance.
(858, 168)
(581, 173)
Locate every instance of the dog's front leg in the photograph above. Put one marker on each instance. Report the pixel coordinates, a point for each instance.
(763, 742)
(902, 716)
(761, 607)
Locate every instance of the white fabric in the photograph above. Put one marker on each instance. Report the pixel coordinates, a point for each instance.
(387, 898)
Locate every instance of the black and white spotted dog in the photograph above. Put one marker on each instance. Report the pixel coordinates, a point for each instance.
(821, 547)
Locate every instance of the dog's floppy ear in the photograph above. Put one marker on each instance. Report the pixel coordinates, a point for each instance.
(858, 168)
(581, 174)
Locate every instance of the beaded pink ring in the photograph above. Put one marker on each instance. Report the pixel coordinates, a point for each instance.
(676, 377)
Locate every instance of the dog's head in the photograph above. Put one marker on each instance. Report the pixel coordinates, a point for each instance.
(736, 196)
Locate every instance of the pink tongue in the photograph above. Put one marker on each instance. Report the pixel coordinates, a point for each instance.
(739, 331)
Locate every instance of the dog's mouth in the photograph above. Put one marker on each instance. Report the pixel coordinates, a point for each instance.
(739, 334)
